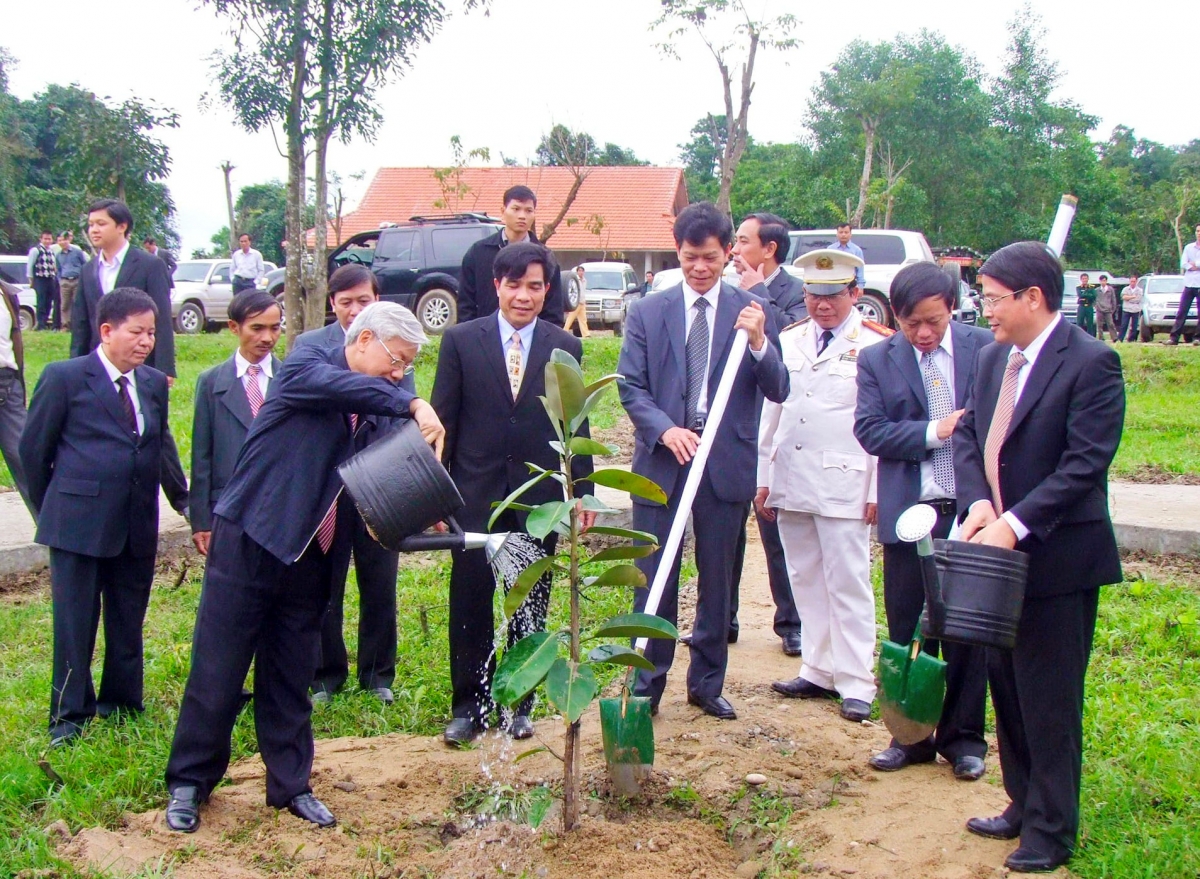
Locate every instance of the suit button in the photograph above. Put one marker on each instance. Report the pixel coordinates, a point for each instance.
(815, 367)
(808, 393)
(512, 420)
(804, 421)
(508, 458)
(798, 447)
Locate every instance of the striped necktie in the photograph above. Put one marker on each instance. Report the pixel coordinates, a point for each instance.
(329, 524)
(254, 394)
(998, 431)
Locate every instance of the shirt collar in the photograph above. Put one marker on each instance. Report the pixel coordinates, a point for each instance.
(771, 277)
(113, 372)
(118, 260)
(507, 330)
(504, 242)
(947, 344)
(1034, 348)
(690, 296)
(241, 364)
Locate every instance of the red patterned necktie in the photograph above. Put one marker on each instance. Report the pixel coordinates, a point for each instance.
(1001, 419)
(254, 392)
(329, 523)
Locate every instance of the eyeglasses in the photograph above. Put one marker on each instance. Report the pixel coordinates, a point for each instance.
(396, 361)
(990, 301)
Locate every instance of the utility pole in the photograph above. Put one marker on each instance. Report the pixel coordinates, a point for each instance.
(227, 167)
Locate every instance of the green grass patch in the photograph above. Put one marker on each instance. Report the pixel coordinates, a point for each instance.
(1162, 413)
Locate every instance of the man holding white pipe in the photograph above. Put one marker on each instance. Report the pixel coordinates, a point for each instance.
(674, 354)
(816, 479)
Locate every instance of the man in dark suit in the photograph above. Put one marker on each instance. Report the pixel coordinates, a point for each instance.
(491, 372)
(759, 248)
(266, 584)
(476, 290)
(151, 247)
(92, 449)
(912, 390)
(228, 399)
(351, 289)
(118, 263)
(675, 349)
(1042, 425)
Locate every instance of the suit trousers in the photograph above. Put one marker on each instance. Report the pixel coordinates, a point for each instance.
(1190, 295)
(472, 625)
(375, 571)
(1037, 690)
(787, 620)
(49, 304)
(717, 525)
(252, 606)
(12, 425)
(829, 561)
(81, 587)
(960, 730)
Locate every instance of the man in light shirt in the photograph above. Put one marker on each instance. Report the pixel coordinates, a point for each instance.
(247, 265)
(844, 231)
(1189, 264)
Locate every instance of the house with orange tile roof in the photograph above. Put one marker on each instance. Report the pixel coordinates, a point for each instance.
(620, 213)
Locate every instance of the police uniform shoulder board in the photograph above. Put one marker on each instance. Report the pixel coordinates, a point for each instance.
(879, 328)
(802, 320)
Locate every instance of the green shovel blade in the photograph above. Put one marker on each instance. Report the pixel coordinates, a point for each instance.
(911, 691)
(628, 733)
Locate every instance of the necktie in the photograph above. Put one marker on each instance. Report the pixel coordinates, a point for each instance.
(937, 395)
(697, 360)
(254, 392)
(826, 338)
(127, 404)
(329, 524)
(514, 364)
(1001, 418)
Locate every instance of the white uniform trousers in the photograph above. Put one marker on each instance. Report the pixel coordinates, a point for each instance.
(829, 565)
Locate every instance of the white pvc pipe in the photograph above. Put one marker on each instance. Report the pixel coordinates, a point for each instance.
(716, 412)
(1062, 224)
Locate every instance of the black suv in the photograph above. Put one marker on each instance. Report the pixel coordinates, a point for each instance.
(418, 263)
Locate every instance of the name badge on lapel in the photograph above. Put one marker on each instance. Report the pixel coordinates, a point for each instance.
(846, 365)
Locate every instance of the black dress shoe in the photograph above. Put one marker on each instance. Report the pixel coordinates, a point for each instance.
(892, 759)
(686, 640)
(791, 644)
(1028, 860)
(731, 636)
(994, 828)
(969, 768)
(799, 688)
(461, 731)
(183, 811)
(521, 727)
(383, 694)
(855, 710)
(64, 738)
(718, 706)
(309, 808)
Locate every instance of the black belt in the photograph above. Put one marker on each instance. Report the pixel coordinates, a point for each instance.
(945, 506)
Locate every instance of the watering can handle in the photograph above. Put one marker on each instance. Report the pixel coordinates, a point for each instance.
(935, 606)
(436, 540)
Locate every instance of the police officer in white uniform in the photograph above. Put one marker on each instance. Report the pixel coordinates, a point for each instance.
(818, 481)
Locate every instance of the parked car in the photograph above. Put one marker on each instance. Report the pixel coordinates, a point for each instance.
(610, 287)
(202, 293)
(418, 263)
(1160, 305)
(885, 252)
(14, 269)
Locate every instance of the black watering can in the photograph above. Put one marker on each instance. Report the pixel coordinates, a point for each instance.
(401, 489)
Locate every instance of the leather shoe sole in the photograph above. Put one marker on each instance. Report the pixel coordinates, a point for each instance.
(1028, 860)
(309, 808)
(730, 638)
(461, 731)
(521, 727)
(799, 688)
(969, 768)
(791, 645)
(183, 810)
(994, 828)
(894, 759)
(855, 710)
(718, 707)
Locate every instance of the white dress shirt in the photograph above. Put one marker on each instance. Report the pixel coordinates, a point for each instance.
(241, 364)
(506, 334)
(1191, 257)
(110, 270)
(710, 314)
(943, 358)
(248, 264)
(113, 375)
(8, 357)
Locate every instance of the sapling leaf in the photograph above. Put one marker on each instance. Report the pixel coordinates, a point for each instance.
(637, 625)
(616, 553)
(543, 518)
(632, 483)
(619, 654)
(595, 505)
(525, 582)
(620, 575)
(508, 501)
(583, 445)
(569, 384)
(571, 689)
(627, 533)
(523, 667)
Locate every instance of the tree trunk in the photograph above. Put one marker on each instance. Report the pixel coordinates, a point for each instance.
(869, 126)
(227, 168)
(737, 132)
(314, 303)
(571, 766)
(293, 127)
(548, 229)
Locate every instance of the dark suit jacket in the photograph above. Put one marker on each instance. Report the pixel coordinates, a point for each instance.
(654, 365)
(142, 270)
(332, 336)
(222, 420)
(489, 436)
(892, 414)
(289, 461)
(1054, 462)
(94, 485)
(165, 255)
(477, 289)
(786, 295)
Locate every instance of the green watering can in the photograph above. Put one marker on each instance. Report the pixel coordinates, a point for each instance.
(912, 682)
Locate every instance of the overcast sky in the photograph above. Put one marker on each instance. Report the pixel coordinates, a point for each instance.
(503, 80)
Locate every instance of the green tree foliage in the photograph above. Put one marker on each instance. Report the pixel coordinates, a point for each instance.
(261, 210)
(66, 147)
(563, 147)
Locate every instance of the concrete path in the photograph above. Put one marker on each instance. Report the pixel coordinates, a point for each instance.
(1151, 518)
